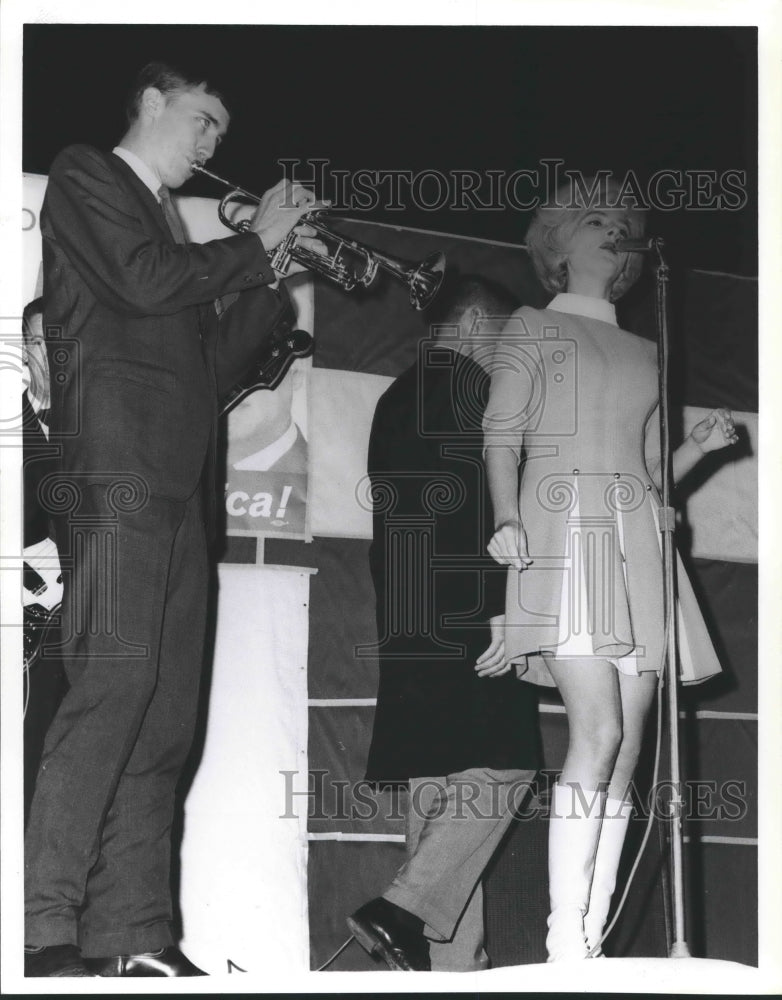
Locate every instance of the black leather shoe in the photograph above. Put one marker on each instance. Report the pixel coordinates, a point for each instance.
(164, 962)
(55, 960)
(392, 935)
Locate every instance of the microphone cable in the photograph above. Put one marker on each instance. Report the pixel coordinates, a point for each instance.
(336, 954)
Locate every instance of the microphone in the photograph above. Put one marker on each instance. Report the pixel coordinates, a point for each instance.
(643, 245)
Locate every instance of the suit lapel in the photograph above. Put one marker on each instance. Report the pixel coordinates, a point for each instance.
(149, 203)
(153, 214)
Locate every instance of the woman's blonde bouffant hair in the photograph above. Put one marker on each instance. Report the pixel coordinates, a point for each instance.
(554, 223)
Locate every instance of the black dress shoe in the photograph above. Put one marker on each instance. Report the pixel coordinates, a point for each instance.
(392, 935)
(55, 960)
(164, 962)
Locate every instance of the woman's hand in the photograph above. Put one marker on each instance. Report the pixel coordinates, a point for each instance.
(492, 662)
(715, 431)
(508, 545)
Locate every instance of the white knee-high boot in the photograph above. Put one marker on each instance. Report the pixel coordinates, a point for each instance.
(574, 831)
(609, 850)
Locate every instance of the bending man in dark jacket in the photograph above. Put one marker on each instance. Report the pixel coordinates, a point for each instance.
(451, 718)
(144, 331)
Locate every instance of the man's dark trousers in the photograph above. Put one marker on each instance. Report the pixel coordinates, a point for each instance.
(98, 875)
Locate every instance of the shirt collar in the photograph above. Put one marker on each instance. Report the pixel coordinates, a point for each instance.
(140, 169)
(584, 305)
(263, 460)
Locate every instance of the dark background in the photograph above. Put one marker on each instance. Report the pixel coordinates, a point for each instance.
(444, 98)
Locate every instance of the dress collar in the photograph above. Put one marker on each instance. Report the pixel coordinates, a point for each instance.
(140, 169)
(584, 305)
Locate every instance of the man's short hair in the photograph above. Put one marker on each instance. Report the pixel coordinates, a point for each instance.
(168, 80)
(470, 291)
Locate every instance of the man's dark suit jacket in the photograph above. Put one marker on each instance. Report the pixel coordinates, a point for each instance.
(145, 356)
(432, 522)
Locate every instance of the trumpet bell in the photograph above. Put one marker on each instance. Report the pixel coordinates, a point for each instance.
(425, 280)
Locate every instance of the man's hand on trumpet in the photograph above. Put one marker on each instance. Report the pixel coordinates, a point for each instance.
(279, 211)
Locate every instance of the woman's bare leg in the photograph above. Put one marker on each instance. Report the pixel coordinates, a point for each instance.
(590, 691)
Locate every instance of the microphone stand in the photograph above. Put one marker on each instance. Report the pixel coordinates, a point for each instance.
(667, 525)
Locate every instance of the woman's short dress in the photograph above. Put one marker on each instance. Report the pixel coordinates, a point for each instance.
(576, 398)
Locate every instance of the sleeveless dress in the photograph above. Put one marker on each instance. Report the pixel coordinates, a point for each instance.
(576, 398)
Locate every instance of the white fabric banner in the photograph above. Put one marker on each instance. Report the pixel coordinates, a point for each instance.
(244, 867)
(722, 514)
(342, 405)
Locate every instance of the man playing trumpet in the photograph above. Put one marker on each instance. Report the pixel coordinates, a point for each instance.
(152, 328)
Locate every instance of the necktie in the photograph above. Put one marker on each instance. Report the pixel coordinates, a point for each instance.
(172, 216)
(174, 224)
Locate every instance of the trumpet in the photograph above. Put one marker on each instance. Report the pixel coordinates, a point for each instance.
(348, 262)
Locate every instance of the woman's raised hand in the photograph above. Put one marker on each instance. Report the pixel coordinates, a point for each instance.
(717, 430)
